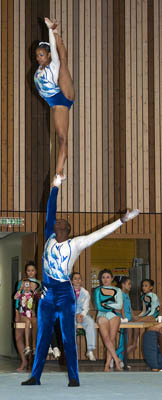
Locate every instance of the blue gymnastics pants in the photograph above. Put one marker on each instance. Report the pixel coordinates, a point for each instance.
(59, 301)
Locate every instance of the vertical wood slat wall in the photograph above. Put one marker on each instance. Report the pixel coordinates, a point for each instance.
(114, 155)
(115, 139)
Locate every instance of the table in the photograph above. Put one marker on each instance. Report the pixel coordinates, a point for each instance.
(133, 325)
(126, 326)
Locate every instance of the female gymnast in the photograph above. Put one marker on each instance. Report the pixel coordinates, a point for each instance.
(54, 83)
(109, 304)
(150, 311)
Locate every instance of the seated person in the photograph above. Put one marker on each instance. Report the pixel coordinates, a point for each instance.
(109, 302)
(27, 295)
(125, 285)
(151, 348)
(150, 310)
(82, 316)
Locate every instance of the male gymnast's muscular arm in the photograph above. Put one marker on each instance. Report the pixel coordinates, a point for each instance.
(51, 212)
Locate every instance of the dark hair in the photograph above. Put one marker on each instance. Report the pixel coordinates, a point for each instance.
(74, 273)
(150, 281)
(104, 271)
(44, 45)
(123, 280)
(30, 263)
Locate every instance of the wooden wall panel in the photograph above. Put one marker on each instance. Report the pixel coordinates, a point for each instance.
(0, 100)
(81, 108)
(151, 115)
(160, 35)
(93, 106)
(70, 33)
(145, 167)
(105, 106)
(99, 105)
(10, 114)
(114, 154)
(110, 109)
(21, 156)
(157, 104)
(4, 104)
(128, 106)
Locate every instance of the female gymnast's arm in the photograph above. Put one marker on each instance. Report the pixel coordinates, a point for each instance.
(54, 53)
(143, 312)
(97, 299)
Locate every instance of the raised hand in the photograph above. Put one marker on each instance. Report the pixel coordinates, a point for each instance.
(130, 215)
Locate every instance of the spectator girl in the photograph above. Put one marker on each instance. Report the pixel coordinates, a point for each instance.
(109, 304)
(30, 273)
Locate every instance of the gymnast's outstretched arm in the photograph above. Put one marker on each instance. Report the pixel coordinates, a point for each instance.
(82, 242)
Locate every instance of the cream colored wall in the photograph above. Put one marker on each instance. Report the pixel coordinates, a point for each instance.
(9, 247)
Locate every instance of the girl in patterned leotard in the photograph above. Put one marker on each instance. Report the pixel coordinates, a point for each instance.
(109, 303)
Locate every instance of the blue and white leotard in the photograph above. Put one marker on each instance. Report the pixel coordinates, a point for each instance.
(46, 79)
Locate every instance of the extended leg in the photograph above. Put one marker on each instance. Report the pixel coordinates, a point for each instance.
(65, 80)
(61, 122)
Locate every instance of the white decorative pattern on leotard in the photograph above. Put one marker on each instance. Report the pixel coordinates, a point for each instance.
(59, 258)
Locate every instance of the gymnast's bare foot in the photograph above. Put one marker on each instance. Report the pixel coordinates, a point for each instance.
(107, 368)
(22, 367)
(117, 364)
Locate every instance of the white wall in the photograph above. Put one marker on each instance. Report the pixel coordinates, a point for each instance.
(9, 247)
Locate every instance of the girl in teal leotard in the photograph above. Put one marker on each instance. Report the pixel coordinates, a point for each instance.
(109, 302)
